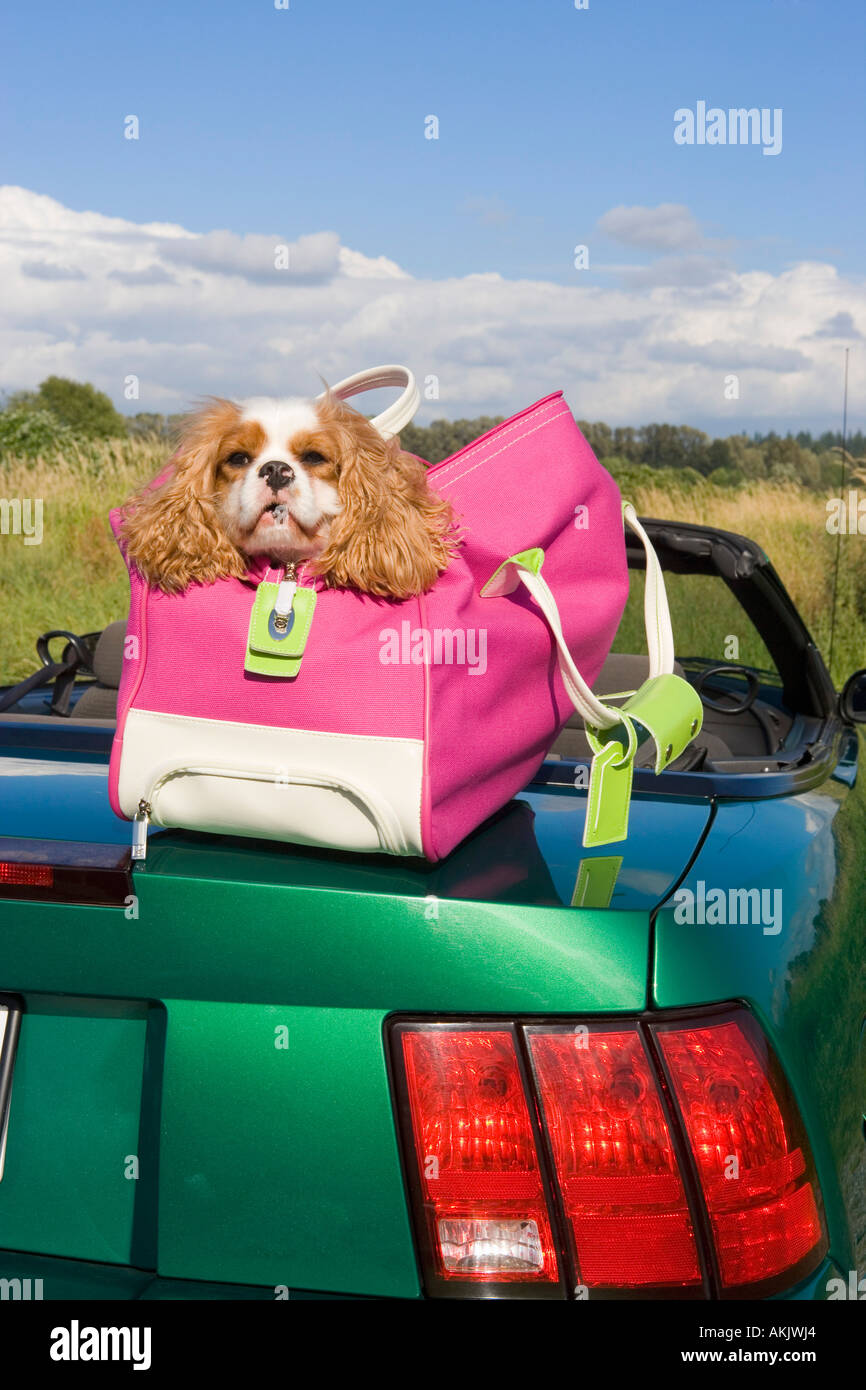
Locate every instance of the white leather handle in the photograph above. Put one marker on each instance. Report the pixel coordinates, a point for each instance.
(657, 614)
(398, 415)
(660, 637)
(591, 710)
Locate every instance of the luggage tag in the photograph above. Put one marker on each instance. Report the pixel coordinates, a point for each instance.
(279, 627)
(668, 710)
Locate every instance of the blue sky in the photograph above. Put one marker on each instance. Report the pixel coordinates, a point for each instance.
(291, 123)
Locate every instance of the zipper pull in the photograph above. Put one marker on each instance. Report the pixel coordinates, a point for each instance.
(285, 597)
(139, 830)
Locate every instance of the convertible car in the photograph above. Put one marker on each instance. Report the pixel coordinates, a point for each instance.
(247, 1070)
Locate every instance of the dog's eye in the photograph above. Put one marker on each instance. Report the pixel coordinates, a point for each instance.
(311, 457)
(238, 460)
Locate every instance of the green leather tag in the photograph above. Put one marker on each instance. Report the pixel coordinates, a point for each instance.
(670, 710)
(610, 782)
(270, 652)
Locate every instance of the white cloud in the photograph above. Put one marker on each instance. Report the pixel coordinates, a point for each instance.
(259, 258)
(190, 314)
(668, 227)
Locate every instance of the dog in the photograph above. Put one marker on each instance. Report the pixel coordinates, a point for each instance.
(295, 481)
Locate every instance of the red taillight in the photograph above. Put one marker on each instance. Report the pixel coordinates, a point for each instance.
(65, 871)
(27, 875)
(632, 1157)
(480, 1179)
(754, 1164)
(614, 1159)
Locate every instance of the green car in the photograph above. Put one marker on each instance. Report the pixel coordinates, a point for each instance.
(248, 1070)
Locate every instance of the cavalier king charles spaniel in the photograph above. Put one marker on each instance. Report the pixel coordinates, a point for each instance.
(292, 480)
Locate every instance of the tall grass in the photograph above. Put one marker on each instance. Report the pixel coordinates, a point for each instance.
(75, 579)
(789, 523)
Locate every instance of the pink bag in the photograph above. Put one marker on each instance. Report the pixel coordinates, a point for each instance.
(409, 722)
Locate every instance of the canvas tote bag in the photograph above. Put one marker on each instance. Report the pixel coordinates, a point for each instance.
(400, 726)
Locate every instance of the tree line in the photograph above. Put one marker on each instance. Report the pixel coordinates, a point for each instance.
(63, 410)
(815, 461)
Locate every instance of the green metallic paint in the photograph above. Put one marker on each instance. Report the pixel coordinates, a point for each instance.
(255, 1179)
(306, 1127)
(73, 1123)
(281, 1166)
(807, 984)
(243, 942)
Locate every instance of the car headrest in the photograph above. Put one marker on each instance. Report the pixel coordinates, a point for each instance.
(108, 655)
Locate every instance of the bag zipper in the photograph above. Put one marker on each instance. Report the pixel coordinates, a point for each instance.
(140, 823)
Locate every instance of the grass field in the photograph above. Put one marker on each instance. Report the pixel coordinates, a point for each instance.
(75, 578)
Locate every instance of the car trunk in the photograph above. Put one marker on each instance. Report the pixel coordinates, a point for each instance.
(202, 1084)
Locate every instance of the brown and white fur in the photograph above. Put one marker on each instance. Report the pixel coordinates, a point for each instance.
(293, 480)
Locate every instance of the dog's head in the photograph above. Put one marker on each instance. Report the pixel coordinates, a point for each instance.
(292, 480)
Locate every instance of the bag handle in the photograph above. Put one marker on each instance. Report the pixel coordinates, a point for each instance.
(656, 611)
(398, 415)
(526, 568)
(666, 706)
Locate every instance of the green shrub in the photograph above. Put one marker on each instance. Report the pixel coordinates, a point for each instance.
(726, 477)
(76, 405)
(31, 432)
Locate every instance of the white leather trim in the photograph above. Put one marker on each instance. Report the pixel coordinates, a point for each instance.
(340, 791)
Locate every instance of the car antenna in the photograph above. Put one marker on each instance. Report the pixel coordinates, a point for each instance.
(839, 531)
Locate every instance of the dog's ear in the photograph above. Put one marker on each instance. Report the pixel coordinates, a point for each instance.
(171, 531)
(393, 536)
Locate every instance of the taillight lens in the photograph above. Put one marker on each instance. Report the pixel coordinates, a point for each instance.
(752, 1157)
(639, 1157)
(27, 875)
(481, 1185)
(65, 871)
(614, 1159)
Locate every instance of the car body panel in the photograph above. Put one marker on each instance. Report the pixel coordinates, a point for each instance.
(230, 941)
(57, 798)
(297, 1099)
(77, 1111)
(805, 982)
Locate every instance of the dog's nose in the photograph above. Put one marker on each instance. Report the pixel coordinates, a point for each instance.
(276, 474)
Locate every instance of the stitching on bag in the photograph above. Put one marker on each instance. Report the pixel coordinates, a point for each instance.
(308, 733)
(500, 433)
(507, 446)
(466, 454)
